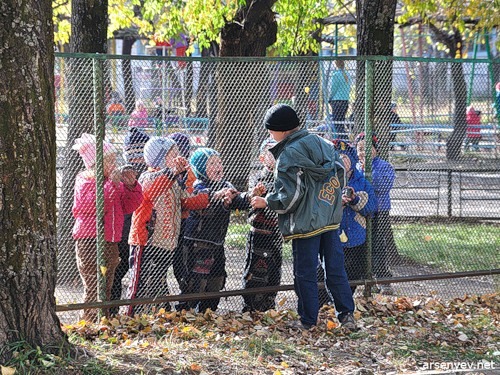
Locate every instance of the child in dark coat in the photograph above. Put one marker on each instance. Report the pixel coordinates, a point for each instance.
(265, 242)
(206, 229)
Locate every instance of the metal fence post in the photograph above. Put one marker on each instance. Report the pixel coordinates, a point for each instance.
(450, 192)
(97, 70)
(493, 91)
(369, 67)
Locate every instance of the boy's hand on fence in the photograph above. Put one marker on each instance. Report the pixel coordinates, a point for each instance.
(223, 196)
(218, 195)
(258, 202)
(228, 197)
(231, 193)
(259, 190)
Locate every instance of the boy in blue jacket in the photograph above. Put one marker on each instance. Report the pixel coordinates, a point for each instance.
(359, 202)
(309, 177)
(383, 177)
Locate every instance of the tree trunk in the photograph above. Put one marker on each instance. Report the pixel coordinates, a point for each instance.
(189, 87)
(128, 84)
(243, 95)
(28, 178)
(375, 36)
(454, 42)
(206, 86)
(89, 21)
(454, 141)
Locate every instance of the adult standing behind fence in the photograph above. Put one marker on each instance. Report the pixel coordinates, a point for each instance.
(309, 177)
(383, 177)
(122, 195)
(340, 90)
(394, 119)
(473, 132)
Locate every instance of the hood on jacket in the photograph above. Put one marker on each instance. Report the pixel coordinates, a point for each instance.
(304, 161)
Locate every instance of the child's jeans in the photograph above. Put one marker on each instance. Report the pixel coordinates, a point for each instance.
(305, 262)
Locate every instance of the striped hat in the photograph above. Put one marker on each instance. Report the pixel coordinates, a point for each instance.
(133, 145)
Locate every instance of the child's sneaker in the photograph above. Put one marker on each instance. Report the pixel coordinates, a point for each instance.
(348, 322)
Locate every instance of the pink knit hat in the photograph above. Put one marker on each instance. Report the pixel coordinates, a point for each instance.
(85, 145)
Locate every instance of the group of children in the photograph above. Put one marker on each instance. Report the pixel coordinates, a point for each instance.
(168, 207)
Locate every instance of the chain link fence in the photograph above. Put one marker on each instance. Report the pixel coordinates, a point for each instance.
(190, 130)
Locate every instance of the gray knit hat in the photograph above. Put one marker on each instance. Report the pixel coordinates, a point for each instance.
(155, 151)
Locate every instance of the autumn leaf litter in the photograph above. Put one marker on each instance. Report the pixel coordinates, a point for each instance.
(396, 334)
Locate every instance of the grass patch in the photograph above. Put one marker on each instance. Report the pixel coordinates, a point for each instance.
(424, 349)
(29, 360)
(270, 346)
(452, 247)
(237, 235)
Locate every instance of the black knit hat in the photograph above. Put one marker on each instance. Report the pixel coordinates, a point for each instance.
(281, 118)
(134, 144)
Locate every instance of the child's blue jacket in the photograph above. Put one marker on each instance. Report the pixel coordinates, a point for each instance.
(354, 216)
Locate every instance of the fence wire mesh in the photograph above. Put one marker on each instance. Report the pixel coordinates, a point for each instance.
(190, 131)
